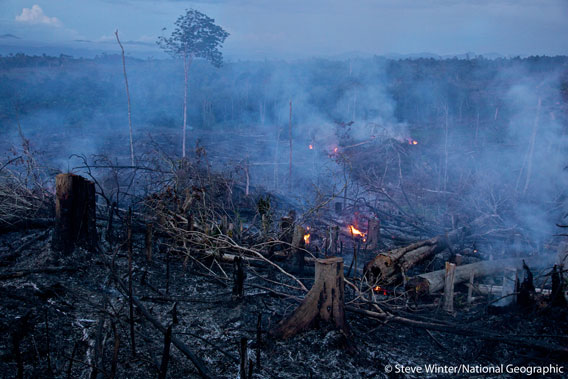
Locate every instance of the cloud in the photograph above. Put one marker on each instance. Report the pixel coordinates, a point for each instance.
(35, 15)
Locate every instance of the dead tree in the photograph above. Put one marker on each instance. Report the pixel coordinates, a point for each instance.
(74, 213)
(324, 301)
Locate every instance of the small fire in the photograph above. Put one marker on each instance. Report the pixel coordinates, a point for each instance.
(380, 290)
(412, 142)
(311, 147)
(307, 238)
(335, 150)
(355, 231)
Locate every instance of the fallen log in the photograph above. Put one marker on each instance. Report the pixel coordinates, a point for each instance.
(388, 268)
(432, 282)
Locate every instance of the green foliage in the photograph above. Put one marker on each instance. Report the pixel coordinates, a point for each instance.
(195, 35)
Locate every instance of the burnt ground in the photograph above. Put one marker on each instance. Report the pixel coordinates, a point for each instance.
(63, 322)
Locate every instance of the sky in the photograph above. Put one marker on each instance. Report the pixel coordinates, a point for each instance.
(297, 28)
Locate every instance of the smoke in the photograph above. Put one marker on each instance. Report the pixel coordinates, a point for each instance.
(490, 134)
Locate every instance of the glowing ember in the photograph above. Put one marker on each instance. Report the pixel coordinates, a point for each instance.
(380, 290)
(311, 147)
(412, 142)
(355, 231)
(307, 238)
(335, 150)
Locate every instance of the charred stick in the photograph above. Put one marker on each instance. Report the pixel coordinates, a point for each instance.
(109, 231)
(148, 241)
(130, 295)
(167, 272)
(243, 354)
(97, 364)
(71, 359)
(250, 367)
(16, 339)
(258, 339)
(239, 276)
(47, 340)
(114, 351)
(166, 353)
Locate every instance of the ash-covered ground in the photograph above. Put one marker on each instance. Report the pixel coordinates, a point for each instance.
(66, 322)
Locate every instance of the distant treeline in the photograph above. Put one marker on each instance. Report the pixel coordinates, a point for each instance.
(72, 92)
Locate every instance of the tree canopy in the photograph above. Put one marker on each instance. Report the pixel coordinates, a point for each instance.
(195, 35)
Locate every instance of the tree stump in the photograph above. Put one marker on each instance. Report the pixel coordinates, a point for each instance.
(74, 213)
(324, 301)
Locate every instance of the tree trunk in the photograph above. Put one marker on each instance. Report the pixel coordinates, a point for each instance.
(388, 268)
(74, 213)
(186, 64)
(325, 301)
(432, 282)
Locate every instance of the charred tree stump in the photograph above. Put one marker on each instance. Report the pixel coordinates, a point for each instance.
(557, 294)
(526, 290)
(324, 301)
(74, 213)
(148, 241)
(239, 277)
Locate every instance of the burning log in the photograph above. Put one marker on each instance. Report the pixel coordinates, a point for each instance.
(432, 282)
(389, 267)
(75, 223)
(324, 301)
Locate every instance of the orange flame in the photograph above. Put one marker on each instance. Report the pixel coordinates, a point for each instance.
(311, 147)
(355, 231)
(412, 142)
(307, 238)
(380, 290)
(335, 150)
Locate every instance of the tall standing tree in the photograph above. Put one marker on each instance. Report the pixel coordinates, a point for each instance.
(195, 36)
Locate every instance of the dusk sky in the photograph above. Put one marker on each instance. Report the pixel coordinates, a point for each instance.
(300, 28)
